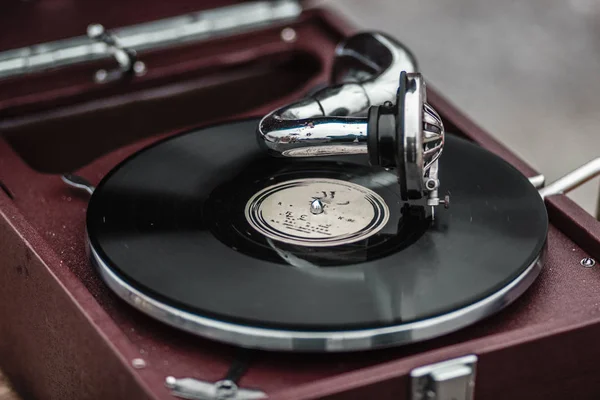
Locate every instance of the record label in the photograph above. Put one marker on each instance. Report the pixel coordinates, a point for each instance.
(317, 212)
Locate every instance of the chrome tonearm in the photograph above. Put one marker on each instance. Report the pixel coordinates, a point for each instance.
(367, 110)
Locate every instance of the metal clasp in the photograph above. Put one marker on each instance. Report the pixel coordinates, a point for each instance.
(447, 380)
(126, 58)
(225, 389)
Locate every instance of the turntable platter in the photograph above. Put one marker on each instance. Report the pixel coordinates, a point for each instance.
(206, 232)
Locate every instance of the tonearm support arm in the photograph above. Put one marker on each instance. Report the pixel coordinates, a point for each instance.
(376, 105)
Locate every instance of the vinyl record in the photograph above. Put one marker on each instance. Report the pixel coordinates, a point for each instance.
(207, 232)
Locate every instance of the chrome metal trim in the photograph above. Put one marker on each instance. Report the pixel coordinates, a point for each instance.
(153, 35)
(323, 136)
(414, 102)
(307, 341)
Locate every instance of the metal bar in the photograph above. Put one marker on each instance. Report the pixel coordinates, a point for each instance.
(538, 181)
(151, 35)
(573, 179)
(598, 205)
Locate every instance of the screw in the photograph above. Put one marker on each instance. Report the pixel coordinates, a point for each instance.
(101, 76)
(288, 35)
(431, 184)
(588, 262)
(138, 363)
(171, 382)
(139, 68)
(446, 201)
(226, 389)
(94, 31)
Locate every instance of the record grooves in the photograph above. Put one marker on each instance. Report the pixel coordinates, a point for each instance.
(169, 223)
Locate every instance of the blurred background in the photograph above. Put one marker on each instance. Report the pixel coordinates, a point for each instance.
(526, 71)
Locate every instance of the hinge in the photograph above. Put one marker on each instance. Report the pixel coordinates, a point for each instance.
(153, 35)
(447, 380)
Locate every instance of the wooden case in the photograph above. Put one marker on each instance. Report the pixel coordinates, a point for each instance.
(64, 335)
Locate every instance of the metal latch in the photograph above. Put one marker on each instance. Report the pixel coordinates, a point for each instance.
(225, 389)
(447, 380)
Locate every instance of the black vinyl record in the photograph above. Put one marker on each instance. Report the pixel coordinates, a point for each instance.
(177, 222)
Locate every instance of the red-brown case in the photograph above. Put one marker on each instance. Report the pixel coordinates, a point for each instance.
(64, 335)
